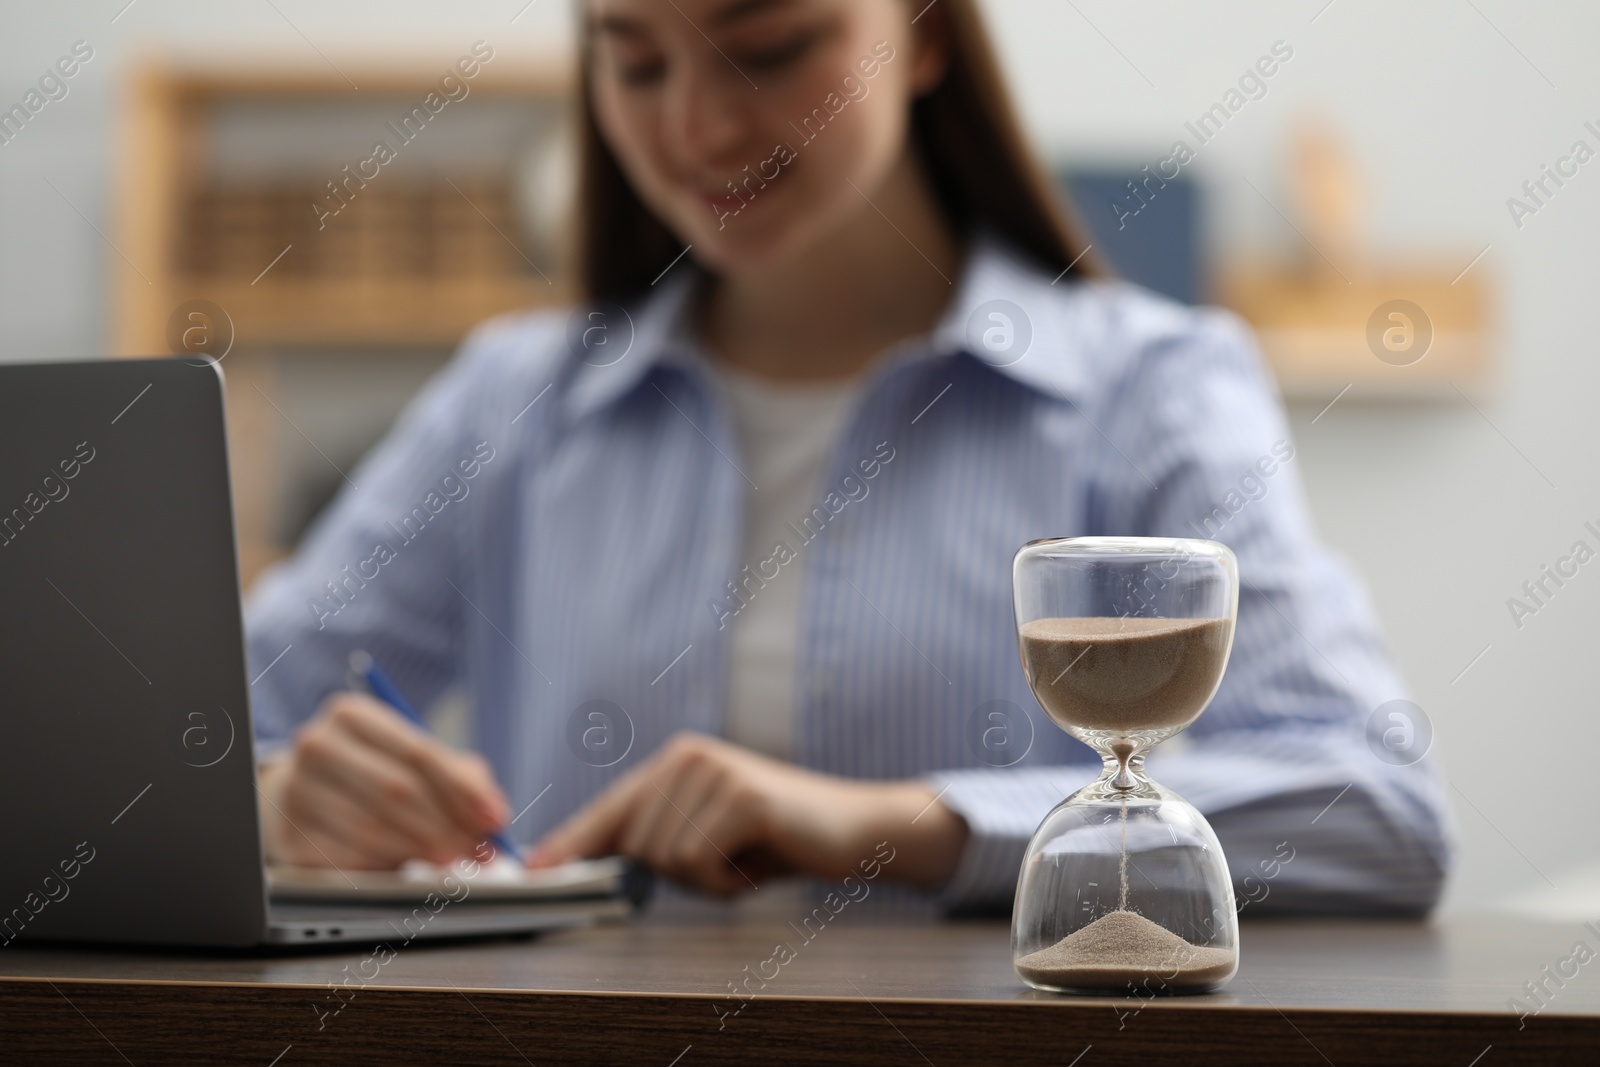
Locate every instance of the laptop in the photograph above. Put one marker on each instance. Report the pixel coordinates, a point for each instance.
(128, 800)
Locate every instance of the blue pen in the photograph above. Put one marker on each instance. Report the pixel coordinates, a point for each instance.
(371, 677)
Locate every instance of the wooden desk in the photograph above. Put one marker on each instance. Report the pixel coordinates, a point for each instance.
(880, 988)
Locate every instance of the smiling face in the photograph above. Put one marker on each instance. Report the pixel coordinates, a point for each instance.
(743, 124)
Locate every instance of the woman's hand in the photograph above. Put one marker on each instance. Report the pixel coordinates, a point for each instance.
(722, 818)
(361, 787)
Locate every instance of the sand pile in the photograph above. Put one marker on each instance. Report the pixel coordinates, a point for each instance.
(1122, 947)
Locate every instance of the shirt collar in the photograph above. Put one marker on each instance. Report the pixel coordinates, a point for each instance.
(1015, 318)
(1007, 314)
(647, 332)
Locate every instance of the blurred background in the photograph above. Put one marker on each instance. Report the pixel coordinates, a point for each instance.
(160, 197)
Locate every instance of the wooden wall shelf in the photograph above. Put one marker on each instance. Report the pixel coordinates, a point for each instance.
(1343, 318)
(360, 314)
(415, 258)
(220, 164)
(1314, 329)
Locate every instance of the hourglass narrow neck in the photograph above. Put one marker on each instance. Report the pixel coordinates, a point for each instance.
(1123, 770)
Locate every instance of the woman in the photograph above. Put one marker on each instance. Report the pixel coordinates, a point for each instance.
(723, 556)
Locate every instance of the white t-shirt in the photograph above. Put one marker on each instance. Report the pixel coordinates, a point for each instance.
(787, 433)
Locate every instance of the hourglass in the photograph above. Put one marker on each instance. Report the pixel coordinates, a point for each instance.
(1124, 886)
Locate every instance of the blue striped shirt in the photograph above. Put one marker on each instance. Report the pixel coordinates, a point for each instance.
(557, 526)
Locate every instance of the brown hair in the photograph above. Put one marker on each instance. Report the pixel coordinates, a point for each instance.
(965, 130)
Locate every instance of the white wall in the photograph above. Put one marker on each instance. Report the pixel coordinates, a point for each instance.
(1444, 509)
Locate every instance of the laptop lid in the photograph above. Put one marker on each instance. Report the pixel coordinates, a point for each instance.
(127, 781)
